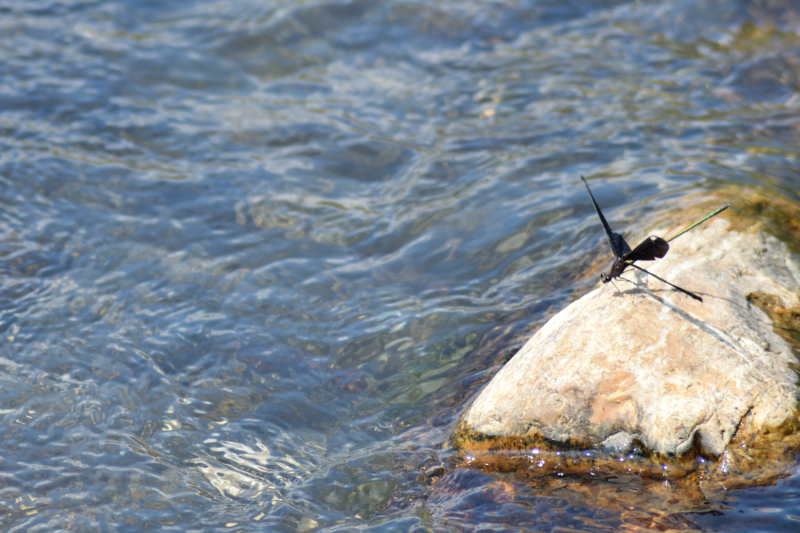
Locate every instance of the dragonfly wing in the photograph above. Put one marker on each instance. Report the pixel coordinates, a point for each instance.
(684, 291)
(621, 245)
(649, 249)
(614, 239)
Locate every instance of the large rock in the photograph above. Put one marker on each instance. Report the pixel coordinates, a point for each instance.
(652, 369)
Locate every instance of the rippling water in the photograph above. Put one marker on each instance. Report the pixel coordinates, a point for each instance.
(257, 255)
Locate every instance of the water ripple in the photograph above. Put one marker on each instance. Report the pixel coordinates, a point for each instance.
(255, 260)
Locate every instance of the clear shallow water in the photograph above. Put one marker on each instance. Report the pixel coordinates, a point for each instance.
(257, 255)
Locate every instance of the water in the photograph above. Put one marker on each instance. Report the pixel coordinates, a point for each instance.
(256, 256)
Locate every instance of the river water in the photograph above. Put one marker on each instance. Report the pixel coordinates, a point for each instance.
(257, 255)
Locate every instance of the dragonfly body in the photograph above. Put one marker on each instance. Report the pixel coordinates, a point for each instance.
(648, 250)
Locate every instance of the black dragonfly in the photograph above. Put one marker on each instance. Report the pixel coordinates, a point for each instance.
(648, 250)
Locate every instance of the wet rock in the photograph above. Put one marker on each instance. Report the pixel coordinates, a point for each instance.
(650, 370)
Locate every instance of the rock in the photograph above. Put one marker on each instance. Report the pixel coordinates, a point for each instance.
(647, 368)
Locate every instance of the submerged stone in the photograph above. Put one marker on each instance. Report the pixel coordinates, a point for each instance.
(646, 368)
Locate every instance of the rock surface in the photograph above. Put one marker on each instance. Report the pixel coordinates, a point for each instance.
(649, 367)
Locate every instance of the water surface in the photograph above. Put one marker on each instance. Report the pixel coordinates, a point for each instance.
(256, 256)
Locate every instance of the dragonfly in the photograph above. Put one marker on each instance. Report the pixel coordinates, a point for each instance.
(648, 250)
